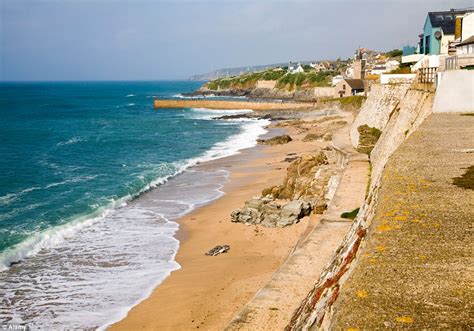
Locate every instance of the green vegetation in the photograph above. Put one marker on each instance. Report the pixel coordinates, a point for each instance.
(368, 138)
(403, 69)
(466, 180)
(245, 81)
(308, 79)
(354, 101)
(394, 53)
(350, 214)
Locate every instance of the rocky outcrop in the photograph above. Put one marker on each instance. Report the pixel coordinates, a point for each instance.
(278, 140)
(303, 191)
(271, 213)
(318, 136)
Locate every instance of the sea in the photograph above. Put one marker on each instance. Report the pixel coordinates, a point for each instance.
(92, 181)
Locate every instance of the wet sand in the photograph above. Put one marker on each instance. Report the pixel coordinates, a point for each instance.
(207, 292)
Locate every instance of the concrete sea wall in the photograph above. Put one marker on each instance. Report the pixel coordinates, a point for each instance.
(215, 104)
(316, 310)
(455, 92)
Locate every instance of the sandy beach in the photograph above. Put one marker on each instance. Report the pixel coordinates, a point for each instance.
(207, 291)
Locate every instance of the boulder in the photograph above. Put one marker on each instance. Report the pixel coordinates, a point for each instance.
(293, 211)
(312, 137)
(246, 215)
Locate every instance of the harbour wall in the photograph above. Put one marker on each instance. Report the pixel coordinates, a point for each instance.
(221, 104)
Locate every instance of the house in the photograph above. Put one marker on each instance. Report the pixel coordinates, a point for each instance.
(378, 70)
(321, 66)
(439, 30)
(464, 58)
(294, 67)
(336, 79)
(464, 46)
(392, 65)
(347, 87)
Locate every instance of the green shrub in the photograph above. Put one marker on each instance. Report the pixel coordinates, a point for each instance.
(394, 53)
(350, 214)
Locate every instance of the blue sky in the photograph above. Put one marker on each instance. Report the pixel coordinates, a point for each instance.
(151, 40)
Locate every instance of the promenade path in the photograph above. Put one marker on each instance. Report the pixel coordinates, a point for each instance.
(273, 306)
(416, 269)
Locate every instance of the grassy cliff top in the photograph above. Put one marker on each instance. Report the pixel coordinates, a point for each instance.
(307, 79)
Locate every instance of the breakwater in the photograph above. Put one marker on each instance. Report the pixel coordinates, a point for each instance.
(226, 104)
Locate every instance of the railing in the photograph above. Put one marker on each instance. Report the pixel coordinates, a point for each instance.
(459, 61)
(427, 75)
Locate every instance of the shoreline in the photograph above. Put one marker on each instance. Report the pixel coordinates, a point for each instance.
(207, 291)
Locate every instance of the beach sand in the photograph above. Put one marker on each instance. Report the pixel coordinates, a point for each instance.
(207, 292)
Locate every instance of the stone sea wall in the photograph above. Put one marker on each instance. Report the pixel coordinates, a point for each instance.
(214, 104)
(316, 309)
(377, 108)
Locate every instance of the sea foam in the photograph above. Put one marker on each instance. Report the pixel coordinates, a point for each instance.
(84, 267)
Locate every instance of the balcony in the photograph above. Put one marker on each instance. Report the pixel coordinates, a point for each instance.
(412, 58)
(459, 61)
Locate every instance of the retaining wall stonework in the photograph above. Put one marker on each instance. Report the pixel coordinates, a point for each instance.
(377, 108)
(316, 310)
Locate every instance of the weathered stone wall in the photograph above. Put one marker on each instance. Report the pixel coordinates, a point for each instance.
(377, 108)
(397, 78)
(316, 309)
(323, 92)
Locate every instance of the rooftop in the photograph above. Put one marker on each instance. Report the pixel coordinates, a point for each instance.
(446, 19)
(357, 84)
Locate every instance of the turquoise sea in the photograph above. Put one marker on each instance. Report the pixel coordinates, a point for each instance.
(91, 181)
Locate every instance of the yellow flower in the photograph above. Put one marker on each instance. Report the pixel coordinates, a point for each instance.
(404, 319)
(362, 293)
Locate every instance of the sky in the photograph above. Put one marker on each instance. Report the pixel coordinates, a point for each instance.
(43, 40)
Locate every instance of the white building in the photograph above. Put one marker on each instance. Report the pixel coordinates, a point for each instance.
(392, 65)
(294, 67)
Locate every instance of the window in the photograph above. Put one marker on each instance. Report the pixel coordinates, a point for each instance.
(344, 87)
(448, 17)
(427, 45)
(439, 17)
